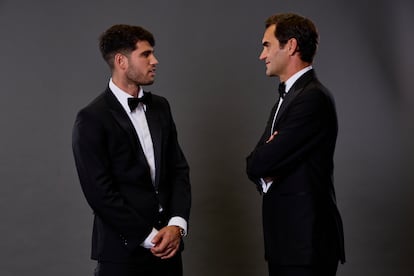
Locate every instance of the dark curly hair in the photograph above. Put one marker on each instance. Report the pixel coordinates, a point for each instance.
(122, 38)
(290, 25)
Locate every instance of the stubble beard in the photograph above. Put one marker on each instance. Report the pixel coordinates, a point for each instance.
(138, 79)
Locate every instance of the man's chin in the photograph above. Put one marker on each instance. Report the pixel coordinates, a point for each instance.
(147, 83)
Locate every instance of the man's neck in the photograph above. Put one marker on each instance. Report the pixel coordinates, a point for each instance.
(293, 69)
(130, 88)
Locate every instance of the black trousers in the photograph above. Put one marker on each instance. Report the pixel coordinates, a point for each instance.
(153, 267)
(327, 269)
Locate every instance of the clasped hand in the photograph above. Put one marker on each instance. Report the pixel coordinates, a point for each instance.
(166, 242)
(270, 179)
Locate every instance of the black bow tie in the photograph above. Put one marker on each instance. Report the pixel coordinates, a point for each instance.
(133, 102)
(282, 90)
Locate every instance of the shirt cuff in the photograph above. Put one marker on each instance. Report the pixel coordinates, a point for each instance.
(147, 242)
(265, 186)
(180, 222)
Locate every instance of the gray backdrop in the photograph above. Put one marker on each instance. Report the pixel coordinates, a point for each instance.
(221, 98)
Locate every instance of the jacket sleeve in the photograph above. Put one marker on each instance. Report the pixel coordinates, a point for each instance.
(301, 127)
(89, 143)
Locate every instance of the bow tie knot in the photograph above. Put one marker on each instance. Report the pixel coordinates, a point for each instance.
(282, 90)
(134, 102)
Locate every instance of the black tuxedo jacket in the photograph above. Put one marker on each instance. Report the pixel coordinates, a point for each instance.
(301, 221)
(115, 176)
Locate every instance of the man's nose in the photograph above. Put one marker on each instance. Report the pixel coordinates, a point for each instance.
(154, 60)
(262, 55)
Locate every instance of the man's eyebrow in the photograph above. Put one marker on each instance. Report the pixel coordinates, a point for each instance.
(147, 52)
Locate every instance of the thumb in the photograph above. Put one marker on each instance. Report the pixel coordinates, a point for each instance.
(157, 238)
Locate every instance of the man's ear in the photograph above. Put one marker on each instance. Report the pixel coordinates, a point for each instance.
(292, 45)
(120, 61)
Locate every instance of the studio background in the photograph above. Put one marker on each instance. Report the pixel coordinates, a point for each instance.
(210, 72)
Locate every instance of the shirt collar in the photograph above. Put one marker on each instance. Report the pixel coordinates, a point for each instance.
(291, 81)
(123, 96)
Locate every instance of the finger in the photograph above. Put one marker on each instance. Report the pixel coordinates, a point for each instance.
(272, 137)
(162, 254)
(159, 238)
(165, 251)
(170, 254)
(160, 247)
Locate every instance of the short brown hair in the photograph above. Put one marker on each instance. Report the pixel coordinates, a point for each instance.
(290, 25)
(122, 38)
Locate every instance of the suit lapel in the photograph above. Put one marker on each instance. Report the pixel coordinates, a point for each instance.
(295, 90)
(125, 123)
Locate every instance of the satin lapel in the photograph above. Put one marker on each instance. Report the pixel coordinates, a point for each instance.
(154, 125)
(125, 123)
(295, 90)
